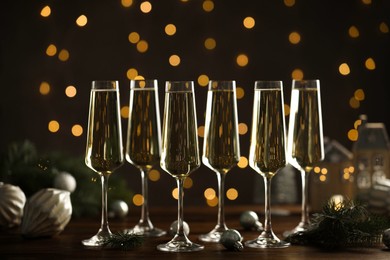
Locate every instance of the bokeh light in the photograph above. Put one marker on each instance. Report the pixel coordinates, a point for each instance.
(344, 69)
(44, 88)
(126, 3)
(125, 112)
(370, 64)
(297, 74)
(243, 162)
(242, 60)
(63, 55)
(249, 22)
(146, 7)
(81, 20)
(131, 73)
(294, 37)
(138, 200)
(203, 80)
(170, 29)
(154, 175)
(232, 194)
(77, 130)
(208, 5)
(210, 43)
(70, 91)
(54, 126)
(174, 60)
(353, 32)
(51, 50)
(46, 11)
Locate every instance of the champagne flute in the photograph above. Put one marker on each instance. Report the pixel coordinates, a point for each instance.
(305, 145)
(180, 152)
(267, 150)
(104, 150)
(144, 143)
(221, 148)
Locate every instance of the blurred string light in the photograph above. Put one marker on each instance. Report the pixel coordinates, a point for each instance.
(249, 22)
(232, 194)
(63, 55)
(126, 3)
(131, 73)
(170, 29)
(142, 46)
(242, 60)
(125, 112)
(134, 37)
(242, 128)
(138, 200)
(70, 91)
(297, 74)
(383, 27)
(77, 130)
(294, 37)
(243, 162)
(46, 11)
(208, 5)
(344, 69)
(370, 64)
(154, 175)
(210, 43)
(240, 92)
(203, 80)
(289, 3)
(145, 7)
(174, 60)
(44, 88)
(51, 50)
(353, 32)
(53, 126)
(201, 131)
(81, 21)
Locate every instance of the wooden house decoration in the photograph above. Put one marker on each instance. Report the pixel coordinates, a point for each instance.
(371, 157)
(331, 177)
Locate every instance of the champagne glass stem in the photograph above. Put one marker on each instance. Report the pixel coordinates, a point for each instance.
(145, 206)
(305, 194)
(180, 215)
(221, 201)
(267, 206)
(104, 229)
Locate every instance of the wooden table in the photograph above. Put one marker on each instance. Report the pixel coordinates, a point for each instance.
(67, 245)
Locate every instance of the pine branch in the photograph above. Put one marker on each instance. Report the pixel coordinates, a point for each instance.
(123, 240)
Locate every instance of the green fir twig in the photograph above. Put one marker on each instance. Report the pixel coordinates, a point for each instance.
(340, 225)
(123, 240)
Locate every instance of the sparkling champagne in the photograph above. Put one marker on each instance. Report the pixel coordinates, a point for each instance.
(221, 148)
(305, 129)
(180, 154)
(104, 141)
(143, 133)
(267, 150)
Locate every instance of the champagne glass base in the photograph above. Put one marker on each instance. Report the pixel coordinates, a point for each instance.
(300, 228)
(267, 243)
(95, 241)
(146, 231)
(213, 236)
(180, 246)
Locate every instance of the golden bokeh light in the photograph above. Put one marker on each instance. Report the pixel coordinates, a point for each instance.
(126, 3)
(209, 193)
(44, 88)
(213, 202)
(354, 103)
(286, 109)
(294, 37)
(353, 135)
(210, 43)
(201, 131)
(77, 130)
(289, 3)
(46, 11)
(324, 171)
(367, 2)
(232, 194)
(322, 178)
(370, 64)
(63, 55)
(242, 60)
(154, 175)
(51, 50)
(139, 77)
(243, 162)
(175, 193)
(145, 7)
(297, 74)
(53, 126)
(240, 92)
(131, 73)
(203, 80)
(208, 5)
(357, 123)
(383, 27)
(242, 128)
(359, 94)
(82, 20)
(170, 29)
(188, 182)
(317, 169)
(138, 199)
(344, 69)
(134, 37)
(249, 22)
(353, 32)
(142, 46)
(125, 112)
(174, 60)
(70, 91)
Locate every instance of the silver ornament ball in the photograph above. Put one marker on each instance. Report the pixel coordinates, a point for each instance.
(118, 209)
(250, 220)
(65, 181)
(231, 240)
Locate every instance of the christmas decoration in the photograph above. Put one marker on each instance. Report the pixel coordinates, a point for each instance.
(118, 209)
(65, 181)
(249, 220)
(21, 165)
(342, 224)
(46, 213)
(123, 240)
(386, 237)
(231, 240)
(173, 228)
(12, 201)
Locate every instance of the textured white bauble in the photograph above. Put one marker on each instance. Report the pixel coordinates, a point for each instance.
(65, 181)
(12, 201)
(46, 213)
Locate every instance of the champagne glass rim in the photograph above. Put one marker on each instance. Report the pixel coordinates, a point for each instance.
(306, 83)
(215, 85)
(179, 86)
(105, 85)
(143, 84)
(268, 84)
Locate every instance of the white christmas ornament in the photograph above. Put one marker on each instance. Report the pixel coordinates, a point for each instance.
(46, 213)
(65, 181)
(12, 201)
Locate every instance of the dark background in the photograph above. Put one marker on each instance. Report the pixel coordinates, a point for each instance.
(101, 50)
